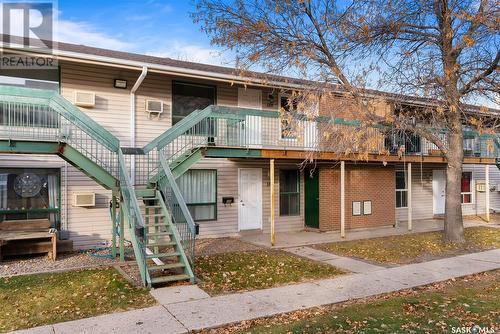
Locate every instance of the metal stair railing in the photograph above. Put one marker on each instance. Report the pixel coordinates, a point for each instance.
(45, 116)
(135, 222)
(176, 206)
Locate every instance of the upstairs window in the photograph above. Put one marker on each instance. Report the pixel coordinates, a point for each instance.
(187, 97)
(289, 193)
(287, 124)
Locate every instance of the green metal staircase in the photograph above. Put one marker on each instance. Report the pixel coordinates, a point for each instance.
(34, 121)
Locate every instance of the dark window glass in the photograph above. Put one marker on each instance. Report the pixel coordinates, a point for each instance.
(289, 193)
(401, 191)
(187, 97)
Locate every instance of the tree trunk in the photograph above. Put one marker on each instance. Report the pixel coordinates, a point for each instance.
(453, 222)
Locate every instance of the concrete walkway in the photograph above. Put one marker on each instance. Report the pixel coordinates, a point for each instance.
(304, 238)
(346, 263)
(201, 311)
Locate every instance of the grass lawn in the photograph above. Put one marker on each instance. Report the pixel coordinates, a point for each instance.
(239, 271)
(418, 247)
(473, 300)
(41, 299)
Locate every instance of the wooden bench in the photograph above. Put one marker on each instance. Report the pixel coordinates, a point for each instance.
(27, 232)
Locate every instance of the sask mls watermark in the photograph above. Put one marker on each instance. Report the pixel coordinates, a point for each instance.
(27, 35)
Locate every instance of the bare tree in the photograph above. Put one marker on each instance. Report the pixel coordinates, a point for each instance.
(444, 51)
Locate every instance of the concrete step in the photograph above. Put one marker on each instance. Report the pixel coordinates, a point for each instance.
(171, 278)
(167, 266)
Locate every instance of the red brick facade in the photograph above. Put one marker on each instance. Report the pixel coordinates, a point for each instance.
(362, 183)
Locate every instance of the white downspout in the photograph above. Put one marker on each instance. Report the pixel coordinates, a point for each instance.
(132, 118)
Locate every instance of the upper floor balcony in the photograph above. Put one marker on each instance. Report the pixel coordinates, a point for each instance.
(295, 135)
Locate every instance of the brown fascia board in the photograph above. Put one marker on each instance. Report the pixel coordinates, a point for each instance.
(251, 76)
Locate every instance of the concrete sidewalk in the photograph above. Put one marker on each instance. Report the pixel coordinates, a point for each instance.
(342, 262)
(201, 311)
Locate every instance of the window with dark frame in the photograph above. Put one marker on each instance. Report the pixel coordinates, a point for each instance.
(466, 187)
(199, 189)
(401, 190)
(289, 192)
(188, 97)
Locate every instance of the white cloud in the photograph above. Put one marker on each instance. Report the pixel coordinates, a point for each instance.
(77, 32)
(192, 52)
(84, 33)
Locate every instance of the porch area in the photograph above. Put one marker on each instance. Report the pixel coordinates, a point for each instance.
(310, 237)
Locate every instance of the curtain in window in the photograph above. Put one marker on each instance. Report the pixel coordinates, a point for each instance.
(53, 190)
(198, 188)
(3, 191)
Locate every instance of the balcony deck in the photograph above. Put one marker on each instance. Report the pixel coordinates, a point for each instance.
(294, 154)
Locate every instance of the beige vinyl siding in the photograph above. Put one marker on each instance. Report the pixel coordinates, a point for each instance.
(227, 185)
(159, 88)
(422, 191)
(112, 108)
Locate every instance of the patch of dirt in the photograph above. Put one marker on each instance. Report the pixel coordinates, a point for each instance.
(41, 263)
(223, 245)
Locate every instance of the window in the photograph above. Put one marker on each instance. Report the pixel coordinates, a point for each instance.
(187, 97)
(199, 189)
(466, 187)
(287, 126)
(401, 190)
(289, 193)
(29, 193)
(408, 140)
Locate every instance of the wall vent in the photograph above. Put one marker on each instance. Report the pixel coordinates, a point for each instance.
(84, 99)
(84, 199)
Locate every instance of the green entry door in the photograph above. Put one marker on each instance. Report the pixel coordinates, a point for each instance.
(311, 198)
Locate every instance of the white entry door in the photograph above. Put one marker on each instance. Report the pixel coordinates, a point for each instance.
(249, 198)
(438, 191)
(252, 99)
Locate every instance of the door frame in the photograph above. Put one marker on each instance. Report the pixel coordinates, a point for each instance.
(434, 187)
(306, 195)
(259, 198)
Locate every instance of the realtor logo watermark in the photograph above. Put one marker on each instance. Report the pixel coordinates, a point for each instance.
(476, 329)
(27, 35)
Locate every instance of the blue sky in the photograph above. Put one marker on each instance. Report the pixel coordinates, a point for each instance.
(161, 28)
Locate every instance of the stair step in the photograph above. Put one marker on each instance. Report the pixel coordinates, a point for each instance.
(145, 192)
(161, 243)
(171, 278)
(162, 255)
(153, 206)
(155, 224)
(159, 234)
(167, 266)
(154, 215)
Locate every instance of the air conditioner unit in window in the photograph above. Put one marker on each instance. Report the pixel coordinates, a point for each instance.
(154, 107)
(84, 199)
(84, 99)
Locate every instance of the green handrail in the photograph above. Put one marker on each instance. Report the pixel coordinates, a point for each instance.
(134, 218)
(63, 107)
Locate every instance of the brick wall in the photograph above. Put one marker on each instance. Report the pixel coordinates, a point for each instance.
(362, 183)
